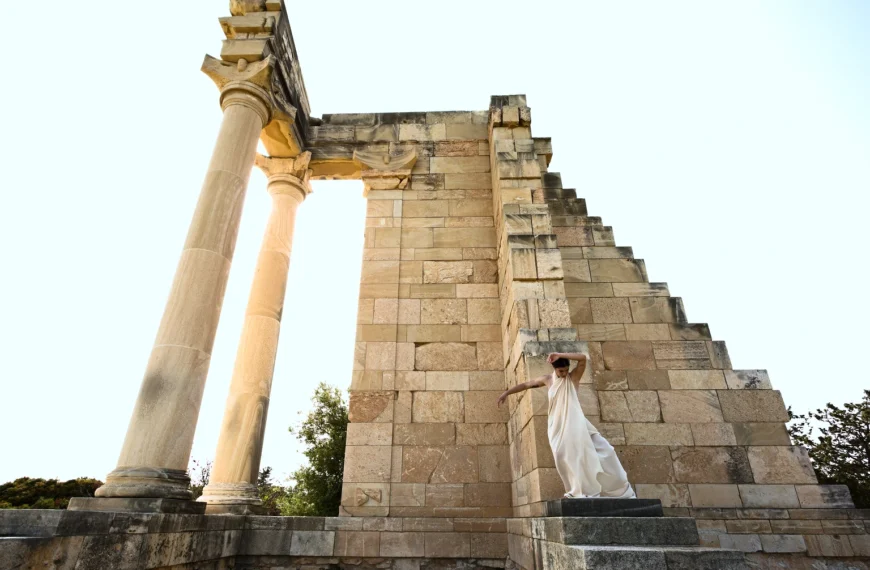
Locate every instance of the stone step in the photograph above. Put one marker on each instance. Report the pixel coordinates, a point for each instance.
(605, 508)
(567, 207)
(610, 531)
(561, 557)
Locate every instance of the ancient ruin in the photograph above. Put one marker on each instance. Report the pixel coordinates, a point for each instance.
(477, 263)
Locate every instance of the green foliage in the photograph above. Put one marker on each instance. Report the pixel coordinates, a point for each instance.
(199, 475)
(29, 493)
(318, 485)
(841, 451)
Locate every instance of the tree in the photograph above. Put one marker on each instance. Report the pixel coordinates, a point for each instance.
(841, 451)
(32, 493)
(324, 432)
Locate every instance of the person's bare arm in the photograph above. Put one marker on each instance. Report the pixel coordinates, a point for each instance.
(580, 358)
(536, 383)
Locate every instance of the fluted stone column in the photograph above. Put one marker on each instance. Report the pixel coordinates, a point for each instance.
(154, 458)
(233, 483)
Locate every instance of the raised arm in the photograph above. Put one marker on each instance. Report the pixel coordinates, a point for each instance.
(536, 383)
(581, 359)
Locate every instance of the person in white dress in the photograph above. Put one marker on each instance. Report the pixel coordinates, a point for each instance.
(585, 461)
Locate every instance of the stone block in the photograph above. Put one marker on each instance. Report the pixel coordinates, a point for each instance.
(711, 465)
(824, 497)
(715, 496)
(312, 543)
(610, 380)
(483, 311)
(713, 434)
(380, 272)
(761, 434)
(675, 350)
(796, 527)
(616, 270)
(488, 495)
(481, 408)
(575, 272)
(494, 464)
(456, 465)
(369, 434)
(829, 546)
(447, 381)
(403, 544)
(367, 463)
(407, 495)
(380, 356)
(438, 407)
(445, 495)
(489, 545)
(860, 544)
(610, 310)
(654, 309)
(580, 310)
(656, 332)
(357, 544)
(648, 380)
(447, 271)
(719, 355)
(487, 380)
(747, 380)
(415, 238)
(647, 464)
(773, 465)
(370, 407)
(741, 542)
(752, 526)
(490, 356)
(633, 355)
(447, 545)
(685, 331)
(445, 356)
(690, 406)
(671, 496)
(481, 333)
(477, 291)
(696, 379)
(657, 434)
(783, 543)
(443, 311)
(745, 406)
(424, 434)
(462, 237)
(408, 312)
(769, 496)
(843, 527)
(481, 434)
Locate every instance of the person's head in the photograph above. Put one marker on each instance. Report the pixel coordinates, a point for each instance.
(561, 367)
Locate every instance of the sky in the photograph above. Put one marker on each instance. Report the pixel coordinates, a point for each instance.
(728, 143)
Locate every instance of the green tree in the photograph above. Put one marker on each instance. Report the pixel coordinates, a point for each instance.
(841, 451)
(33, 493)
(199, 474)
(324, 432)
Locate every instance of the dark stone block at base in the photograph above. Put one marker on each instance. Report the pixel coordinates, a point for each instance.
(136, 505)
(605, 508)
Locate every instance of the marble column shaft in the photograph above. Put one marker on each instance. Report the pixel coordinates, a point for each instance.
(237, 463)
(156, 450)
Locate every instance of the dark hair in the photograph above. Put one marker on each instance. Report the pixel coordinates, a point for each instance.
(561, 363)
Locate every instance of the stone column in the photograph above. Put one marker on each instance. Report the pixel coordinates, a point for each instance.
(156, 451)
(233, 483)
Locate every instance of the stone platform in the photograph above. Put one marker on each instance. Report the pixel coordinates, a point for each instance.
(605, 508)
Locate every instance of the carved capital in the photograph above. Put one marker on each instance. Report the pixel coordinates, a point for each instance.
(383, 171)
(222, 72)
(242, 7)
(287, 175)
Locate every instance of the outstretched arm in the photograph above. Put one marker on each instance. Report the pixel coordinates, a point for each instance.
(536, 383)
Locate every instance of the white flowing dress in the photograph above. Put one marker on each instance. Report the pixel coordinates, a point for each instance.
(585, 461)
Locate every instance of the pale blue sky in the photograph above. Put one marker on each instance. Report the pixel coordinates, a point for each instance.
(728, 143)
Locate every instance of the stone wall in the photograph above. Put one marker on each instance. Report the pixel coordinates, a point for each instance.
(93, 540)
(426, 437)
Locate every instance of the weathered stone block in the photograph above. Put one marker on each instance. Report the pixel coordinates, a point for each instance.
(711, 465)
(761, 434)
(445, 495)
(769, 496)
(747, 379)
(375, 407)
(647, 332)
(481, 434)
(771, 465)
(713, 434)
(648, 380)
(654, 309)
(615, 270)
(403, 544)
(829, 546)
(647, 464)
(633, 355)
(443, 311)
(367, 463)
(741, 542)
(369, 434)
(690, 406)
(824, 496)
(743, 406)
(610, 310)
(438, 407)
(671, 496)
(696, 379)
(357, 544)
(446, 356)
(657, 434)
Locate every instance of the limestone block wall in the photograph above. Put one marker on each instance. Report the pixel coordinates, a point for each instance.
(426, 437)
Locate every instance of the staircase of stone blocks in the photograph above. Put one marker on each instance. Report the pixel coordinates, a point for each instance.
(619, 534)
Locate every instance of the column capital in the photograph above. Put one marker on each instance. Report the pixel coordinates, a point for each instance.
(287, 175)
(242, 83)
(382, 171)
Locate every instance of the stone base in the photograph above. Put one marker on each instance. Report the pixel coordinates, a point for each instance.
(136, 505)
(218, 509)
(605, 508)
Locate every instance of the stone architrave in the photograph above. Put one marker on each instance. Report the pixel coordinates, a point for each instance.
(233, 483)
